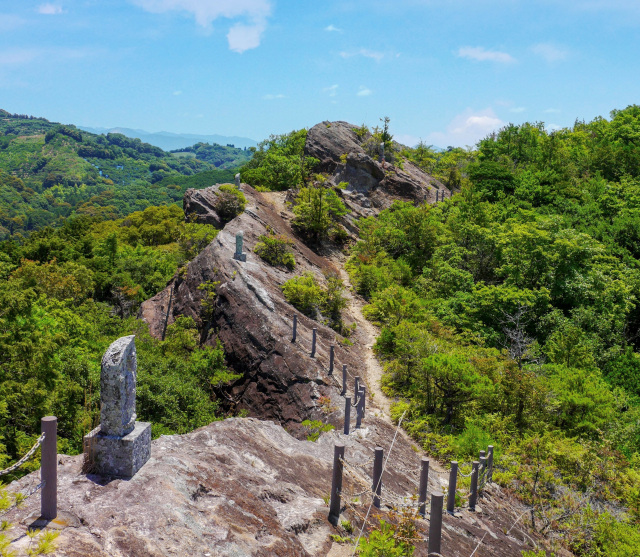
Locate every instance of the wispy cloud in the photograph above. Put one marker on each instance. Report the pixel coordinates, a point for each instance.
(16, 56)
(49, 9)
(481, 54)
(467, 128)
(364, 91)
(271, 97)
(552, 111)
(332, 29)
(9, 22)
(177, 93)
(374, 55)
(332, 90)
(550, 52)
(242, 36)
(518, 109)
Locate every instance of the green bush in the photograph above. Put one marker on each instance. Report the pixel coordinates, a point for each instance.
(316, 428)
(230, 202)
(276, 250)
(317, 209)
(304, 293)
(307, 295)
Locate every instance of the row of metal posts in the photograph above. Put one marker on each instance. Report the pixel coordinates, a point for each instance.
(481, 468)
(359, 390)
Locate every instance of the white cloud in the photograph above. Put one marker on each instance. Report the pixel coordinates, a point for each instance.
(49, 9)
(553, 127)
(467, 128)
(550, 52)
(242, 36)
(518, 109)
(245, 37)
(364, 91)
(177, 93)
(481, 54)
(332, 28)
(331, 90)
(374, 55)
(273, 97)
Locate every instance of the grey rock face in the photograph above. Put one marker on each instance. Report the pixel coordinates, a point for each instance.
(201, 205)
(118, 387)
(329, 142)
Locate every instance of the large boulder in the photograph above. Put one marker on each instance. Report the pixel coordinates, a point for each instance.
(346, 157)
(200, 205)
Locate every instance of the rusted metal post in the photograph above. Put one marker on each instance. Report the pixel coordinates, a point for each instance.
(331, 354)
(377, 476)
(424, 484)
(435, 524)
(313, 342)
(473, 495)
(336, 483)
(490, 464)
(347, 415)
(344, 379)
(49, 468)
(359, 398)
(295, 328)
(453, 480)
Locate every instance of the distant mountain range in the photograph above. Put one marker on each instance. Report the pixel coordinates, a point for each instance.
(169, 141)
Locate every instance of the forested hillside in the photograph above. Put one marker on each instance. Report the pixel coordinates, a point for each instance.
(50, 171)
(65, 294)
(510, 315)
(219, 156)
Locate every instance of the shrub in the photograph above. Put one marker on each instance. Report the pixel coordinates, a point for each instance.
(316, 427)
(230, 203)
(276, 250)
(303, 293)
(317, 209)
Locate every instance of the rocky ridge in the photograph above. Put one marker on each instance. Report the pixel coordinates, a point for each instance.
(248, 486)
(345, 156)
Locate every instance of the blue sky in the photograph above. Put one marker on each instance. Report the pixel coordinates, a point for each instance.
(445, 71)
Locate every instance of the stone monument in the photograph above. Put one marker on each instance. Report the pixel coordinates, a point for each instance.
(120, 445)
(238, 255)
(238, 181)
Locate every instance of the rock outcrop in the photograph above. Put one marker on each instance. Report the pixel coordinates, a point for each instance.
(201, 205)
(244, 487)
(343, 155)
(250, 316)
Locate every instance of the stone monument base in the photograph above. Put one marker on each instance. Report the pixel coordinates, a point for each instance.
(111, 455)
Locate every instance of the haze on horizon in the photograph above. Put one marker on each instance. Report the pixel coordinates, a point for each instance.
(446, 72)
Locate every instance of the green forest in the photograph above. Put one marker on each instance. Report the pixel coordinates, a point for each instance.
(49, 172)
(509, 314)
